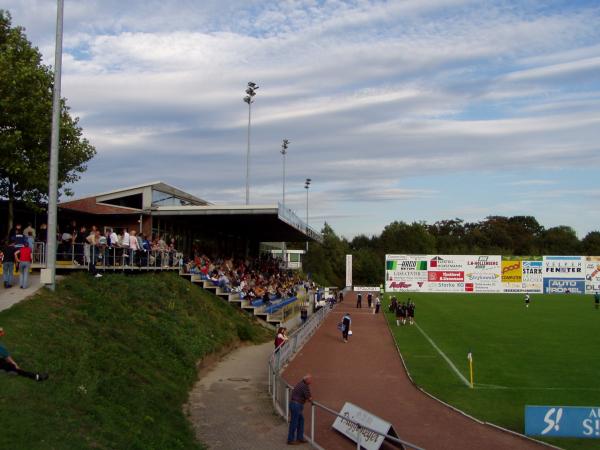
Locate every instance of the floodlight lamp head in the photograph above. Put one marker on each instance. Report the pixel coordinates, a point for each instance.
(248, 99)
(252, 85)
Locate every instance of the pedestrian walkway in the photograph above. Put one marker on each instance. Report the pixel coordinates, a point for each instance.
(15, 294)
(230, 407)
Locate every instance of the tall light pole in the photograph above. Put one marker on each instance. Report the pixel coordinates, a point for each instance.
(249, 98)
(283, 151)
(54, 140)
(306, 186)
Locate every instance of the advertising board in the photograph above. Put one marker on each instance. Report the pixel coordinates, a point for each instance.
(482, 273)
(564, 267)
(405, 273)
(592, 274)
(562, 421)
(512, 271)
(564, 286)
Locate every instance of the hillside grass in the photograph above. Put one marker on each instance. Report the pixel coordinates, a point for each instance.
(121, 352)
(542, 355)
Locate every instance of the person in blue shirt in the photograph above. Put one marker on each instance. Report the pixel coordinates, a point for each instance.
(8, 364)
(346, 322)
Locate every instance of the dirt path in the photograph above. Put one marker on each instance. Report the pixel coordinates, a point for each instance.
(367, 371)
(230, 407)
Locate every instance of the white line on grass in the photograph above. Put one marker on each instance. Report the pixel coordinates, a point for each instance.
(443, 355)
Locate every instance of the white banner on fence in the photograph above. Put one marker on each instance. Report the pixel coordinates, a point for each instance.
(368, 439)
(366, 289)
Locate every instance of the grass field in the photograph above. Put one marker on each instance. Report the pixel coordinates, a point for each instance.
(121, 352)
(546, 354)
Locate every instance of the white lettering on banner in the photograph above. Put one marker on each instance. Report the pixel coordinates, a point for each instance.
(352, 423)
(365, 288)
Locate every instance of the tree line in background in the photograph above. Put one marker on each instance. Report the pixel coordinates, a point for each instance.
(495, 235)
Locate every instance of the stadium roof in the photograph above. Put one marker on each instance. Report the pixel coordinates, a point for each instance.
(158, 199)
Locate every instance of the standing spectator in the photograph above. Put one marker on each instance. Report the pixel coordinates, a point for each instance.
(125, 243)
(300, 395)
(80, 242)
(9, 365)
(43, 234)
(359, 300)
(346, 322)
(8, 263)
(92, 239)
(23, 259)
(303, 314)
(370, 300)
(29, 230)
(377, 305)
(341, 299)
(281, 337)
(18, 237)
(30, 239)
(597, 299)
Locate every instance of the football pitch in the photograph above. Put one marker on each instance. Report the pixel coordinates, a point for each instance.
(546, 354)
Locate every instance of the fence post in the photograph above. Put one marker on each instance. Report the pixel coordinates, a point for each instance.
(287, 403)
(313, 411)
(358, 437)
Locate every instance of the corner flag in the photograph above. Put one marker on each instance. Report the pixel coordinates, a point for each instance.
(470, 358)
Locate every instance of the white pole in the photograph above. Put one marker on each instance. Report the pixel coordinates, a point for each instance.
(248, 156)
(54, 140)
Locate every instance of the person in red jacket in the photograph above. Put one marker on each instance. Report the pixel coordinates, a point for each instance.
(23, 259)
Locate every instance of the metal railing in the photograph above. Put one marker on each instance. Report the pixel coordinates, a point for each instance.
(280, 390)
(105, 257)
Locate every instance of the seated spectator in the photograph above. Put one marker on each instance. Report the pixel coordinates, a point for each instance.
(8, 364)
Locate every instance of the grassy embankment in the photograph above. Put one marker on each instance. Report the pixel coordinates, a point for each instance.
(121, 352)
(542, 355)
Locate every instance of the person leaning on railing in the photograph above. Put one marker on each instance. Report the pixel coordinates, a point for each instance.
(300, 395)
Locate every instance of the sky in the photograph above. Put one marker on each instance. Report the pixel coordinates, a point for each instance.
(414, 110)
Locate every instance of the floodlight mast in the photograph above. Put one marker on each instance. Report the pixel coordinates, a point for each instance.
(307, 186)
(54, 150)
(283, 151)
(249, 98)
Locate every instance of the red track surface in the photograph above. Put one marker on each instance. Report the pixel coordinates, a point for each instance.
(368, 372)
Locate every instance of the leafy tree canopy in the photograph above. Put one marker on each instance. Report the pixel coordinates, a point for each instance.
(26, 87)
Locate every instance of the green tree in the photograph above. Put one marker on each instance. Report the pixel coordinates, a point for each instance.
(26, 87)
(400, 237)
(590, 244)
(326, 261)
(561, 240)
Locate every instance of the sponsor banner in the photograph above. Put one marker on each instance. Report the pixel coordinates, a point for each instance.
(592, 274)
(446, 287)
(448, 275)
(523, 288)
(365, 288)
(563, 421)
(407, 275)
(482, 273)
(405, 286)
(353, 422)
(564, 267)
(564, 286)
(512, 271)
(446, 262)
(533, 271)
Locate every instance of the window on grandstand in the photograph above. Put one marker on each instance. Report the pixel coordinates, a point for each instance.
(129, 201)
(160, 198)
(294, 257)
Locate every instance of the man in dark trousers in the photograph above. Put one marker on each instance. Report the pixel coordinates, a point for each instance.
(8, 262)
(9, 365)
(359, 300)
(346, 321)
(300, 395)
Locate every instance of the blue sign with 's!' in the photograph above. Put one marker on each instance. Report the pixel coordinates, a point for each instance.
(562, 421)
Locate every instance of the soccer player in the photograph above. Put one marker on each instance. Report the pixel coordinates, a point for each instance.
(597, 299)
(526, 300)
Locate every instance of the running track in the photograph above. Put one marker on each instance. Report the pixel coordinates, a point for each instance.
(368, 372)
